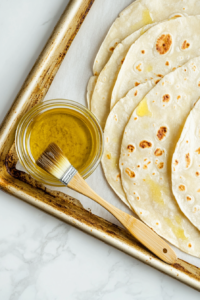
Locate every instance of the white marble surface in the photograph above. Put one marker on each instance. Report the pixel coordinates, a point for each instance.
(42, 258)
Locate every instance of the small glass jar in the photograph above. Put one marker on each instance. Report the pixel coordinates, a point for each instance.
(23, 132)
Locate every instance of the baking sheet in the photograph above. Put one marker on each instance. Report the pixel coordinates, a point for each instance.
(71, 83)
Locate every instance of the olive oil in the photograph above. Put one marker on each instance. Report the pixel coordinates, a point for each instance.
(143, 109)
(69, 130)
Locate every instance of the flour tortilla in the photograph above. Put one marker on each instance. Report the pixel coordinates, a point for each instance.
(137, 15)
(100, 101)
(113, 134)
(186, 168)
(152, 133)
(157, 52)
(90, 88)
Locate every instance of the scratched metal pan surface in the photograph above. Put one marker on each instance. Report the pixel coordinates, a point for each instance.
(54, 202)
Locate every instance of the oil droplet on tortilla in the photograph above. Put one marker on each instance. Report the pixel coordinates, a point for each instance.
(146, 19)
(115, 161)
(177, 230)
(155, 190)
(149, 68)
(68, 130)
(178, 219)
(142, 109)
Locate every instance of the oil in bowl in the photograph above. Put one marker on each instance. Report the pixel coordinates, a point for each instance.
(69, 125)
(68, 131)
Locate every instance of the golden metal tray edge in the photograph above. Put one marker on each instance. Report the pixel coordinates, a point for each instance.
(62, 206)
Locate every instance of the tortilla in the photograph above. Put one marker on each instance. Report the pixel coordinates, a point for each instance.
(157, 52)
(152, 132)
(100, 101)
(186, 168)
(137, 15)
(113, 134)
(90, 89)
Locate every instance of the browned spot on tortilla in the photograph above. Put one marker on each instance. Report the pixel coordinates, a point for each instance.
(108, 156)
(198, 190)
(130, 173)
(176, 162)
(157, 223)
(176, 16)
(174, 69)
(118, 176)
(181, 187)
(187, 159)
(145, 167)
(185, 45)
(197, 173)
(161, 165)
(122, 60)
(189, 245)
(135, 118)
(199, 83)
(162, 132)
(138, 166)
(137, 83)
(167, 63)
(166, 98)
(156, 81)
(158, 152)
(198, 151)
(153, 173)
(138, 68)
(145, 144)
(130, 148)
(96, 74)
(143, 52)
(112, 49)
(160, 75)
(164, 43)
(178, 97)
(135, 94)
(188, 198)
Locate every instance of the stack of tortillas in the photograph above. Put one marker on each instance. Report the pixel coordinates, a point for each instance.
(146, 83)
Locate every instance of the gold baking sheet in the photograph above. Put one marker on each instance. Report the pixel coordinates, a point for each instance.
(56, 203)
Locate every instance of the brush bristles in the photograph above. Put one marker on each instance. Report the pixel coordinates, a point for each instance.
(53, 161)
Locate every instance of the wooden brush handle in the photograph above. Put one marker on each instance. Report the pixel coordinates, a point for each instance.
(138, 229)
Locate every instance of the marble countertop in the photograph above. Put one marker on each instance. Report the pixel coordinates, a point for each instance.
(42, 258)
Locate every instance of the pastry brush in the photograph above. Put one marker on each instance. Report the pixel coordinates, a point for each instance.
(56, 163)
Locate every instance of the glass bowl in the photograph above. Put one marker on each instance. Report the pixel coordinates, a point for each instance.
(23, 132)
